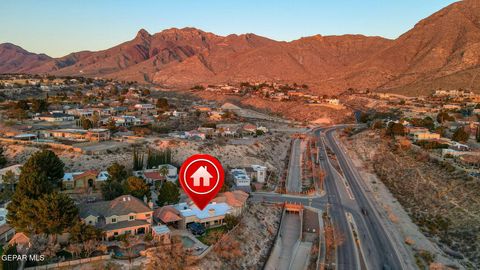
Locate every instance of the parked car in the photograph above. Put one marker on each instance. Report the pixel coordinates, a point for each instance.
(196, 228)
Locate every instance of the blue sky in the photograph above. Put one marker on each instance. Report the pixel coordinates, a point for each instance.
(58, 27)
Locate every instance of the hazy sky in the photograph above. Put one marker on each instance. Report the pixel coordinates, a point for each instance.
(58, 27)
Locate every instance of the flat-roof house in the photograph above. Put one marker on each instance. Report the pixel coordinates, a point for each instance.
(257, 172)
(126, 120)
(54, 117)
(122, 215)
(69, 133)
(144, 107)
(240, 177)
(98, 134)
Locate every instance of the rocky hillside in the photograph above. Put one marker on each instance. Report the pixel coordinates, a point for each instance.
(441, 50)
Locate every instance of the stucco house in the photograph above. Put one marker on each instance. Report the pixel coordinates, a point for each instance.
(182, 214)
(84, 181)
(123, 215)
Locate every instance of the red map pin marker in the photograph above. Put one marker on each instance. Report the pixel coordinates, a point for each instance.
(201, 177)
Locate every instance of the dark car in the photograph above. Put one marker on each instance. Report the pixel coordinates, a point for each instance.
(196, 228)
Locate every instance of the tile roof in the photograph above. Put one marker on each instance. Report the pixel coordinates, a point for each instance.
(124, 224)
(153, 175)
(119, 206)
(236, 198)
(167, 214)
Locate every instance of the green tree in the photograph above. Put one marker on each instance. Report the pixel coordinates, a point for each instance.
(9, 180)
(427, 122)
(95, 119)
(163, 171)
(86, 123)
(23, 104)
(137, 187)
(3, 159)
(231, 221)
(443, 117)
(111, 189)
(45, 161)
(169, 193)
(56, 212)
(460, 135)
(137, 160)
(81, 233)
(39, 105)
(10, 264)
(111, 125)
(395, 129)
(117, 173)
(162, 104)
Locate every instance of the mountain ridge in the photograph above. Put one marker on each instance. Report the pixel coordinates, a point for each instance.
(423, 58)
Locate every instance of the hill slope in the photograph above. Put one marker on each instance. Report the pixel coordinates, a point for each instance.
(443, 49)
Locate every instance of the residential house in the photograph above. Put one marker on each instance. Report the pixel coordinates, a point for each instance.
(332, 101)
(249, 128)
(126, 120)
(240, 177)
(195, 135)
(153, 175)
(145, 107)
(54, 117)
(257, 172)
(68, 133)
(236, 199)
(82, 182)
(182, 214)
(227, 129)
(123, 215)
(98, 134)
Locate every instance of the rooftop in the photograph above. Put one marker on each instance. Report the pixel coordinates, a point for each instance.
(212, 209)
(119, 206)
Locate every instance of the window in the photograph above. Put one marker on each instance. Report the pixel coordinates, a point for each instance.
(114, 220)
(147, 215)
(89, 222)
(115, 233)
(131, 217)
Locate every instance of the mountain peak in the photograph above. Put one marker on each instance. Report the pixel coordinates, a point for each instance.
(142, 33)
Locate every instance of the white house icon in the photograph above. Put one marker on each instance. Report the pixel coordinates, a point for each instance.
(201, 173)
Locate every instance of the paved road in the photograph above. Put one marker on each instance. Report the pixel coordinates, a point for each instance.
(379, 251)
(346, 253)
(290, 234)
(377, 245)
(294, 176)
